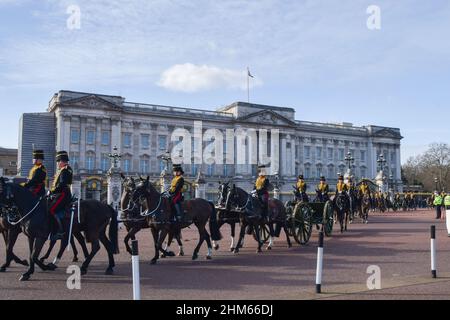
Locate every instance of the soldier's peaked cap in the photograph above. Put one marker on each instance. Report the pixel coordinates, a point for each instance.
(62, 156)
(38, 154)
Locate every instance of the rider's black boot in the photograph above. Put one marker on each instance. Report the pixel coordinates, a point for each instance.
(179, 213)
(60, 232)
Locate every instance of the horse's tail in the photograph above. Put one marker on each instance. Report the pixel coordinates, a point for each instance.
(113, 231)
(213, 225)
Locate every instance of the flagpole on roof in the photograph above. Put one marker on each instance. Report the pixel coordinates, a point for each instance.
(248, 85)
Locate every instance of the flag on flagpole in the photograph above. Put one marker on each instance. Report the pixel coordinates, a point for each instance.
(249, 74)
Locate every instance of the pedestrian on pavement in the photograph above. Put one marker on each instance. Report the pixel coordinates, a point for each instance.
(438, 201)
(447, 212)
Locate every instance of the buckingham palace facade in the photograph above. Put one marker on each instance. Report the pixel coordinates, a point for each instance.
(89, 126)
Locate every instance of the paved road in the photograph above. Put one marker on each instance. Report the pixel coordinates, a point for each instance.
(397, 243)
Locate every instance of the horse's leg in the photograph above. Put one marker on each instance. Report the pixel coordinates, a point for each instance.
(30, 271)
(130, 235)
(288, 239)
(155, 234)
(49, 250)
(241, 237)
(95, 247)
(35, 246)
(108, 246)
(167, 247)
(162, 236)
(233, 233)
(10, 237)
(64, 244)
(82, 243)
(75, 250)
(272, 235)
(201, 234)
(209, 245)
(214, 243)
(258, 238)
(180, 244)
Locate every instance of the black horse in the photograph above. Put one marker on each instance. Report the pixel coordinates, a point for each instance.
(134, 222)
(10, 234)
(225, 216)
(36, 225)
(341, 203)
(159, 216)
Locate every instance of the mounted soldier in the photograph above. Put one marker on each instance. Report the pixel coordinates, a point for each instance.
(300, 189)
(322, 190)
(60, 193)
(261, 188)
(176, 191)
(364, 190)
(38, 175)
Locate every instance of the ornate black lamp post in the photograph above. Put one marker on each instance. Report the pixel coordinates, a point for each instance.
(166, 158)
(115, 158)
(350, 160)
(436, 180)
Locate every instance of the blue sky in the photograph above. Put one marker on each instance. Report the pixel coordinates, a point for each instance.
(316, 56)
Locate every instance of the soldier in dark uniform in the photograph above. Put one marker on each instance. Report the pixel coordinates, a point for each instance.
(300, 189)
(37, 175)
(261, 188)
(176, 191)
(322, 190)
(60, 191)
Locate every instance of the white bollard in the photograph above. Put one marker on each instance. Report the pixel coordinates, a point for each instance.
(433, 252)
(135, 265)
(447, 218)
(319, 268)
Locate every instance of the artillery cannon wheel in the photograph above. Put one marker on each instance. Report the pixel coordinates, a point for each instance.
(328, 219)
(264, 233)
(301, 223)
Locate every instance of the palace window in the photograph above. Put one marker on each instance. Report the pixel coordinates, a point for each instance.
(145, 141)
(307, 151)
(318, 153)
(75, 136)
(127, 140)
(90, 161)
(145, 166)
(90, 137)
(105, 162)
(105, 138)
(162, 143)
(331, 172)
(330, 154)
(341, 154)
(363, 155)
(210, 169)
(126, 165)
(307, 172)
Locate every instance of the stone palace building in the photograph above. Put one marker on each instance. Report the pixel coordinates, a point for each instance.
(90, 125)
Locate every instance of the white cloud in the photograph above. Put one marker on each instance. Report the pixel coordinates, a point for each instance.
(189, 77)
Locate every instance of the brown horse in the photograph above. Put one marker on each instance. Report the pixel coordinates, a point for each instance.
(160, 217)
(35, 223)
(10, 234)
(134, 222)
(364, 208)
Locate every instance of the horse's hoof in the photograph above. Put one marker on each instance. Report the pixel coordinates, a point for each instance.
(269, 248)
(181, 253)
(236, 251)
(171, 254)
(194, 257)
(153, 261)
(51, 267)
(232, 249)
(208, 258)
(75, 259)
(3, 269)
(216, 247)
(83, 271)
(25, 277)
(109, 272)
(162, 256)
